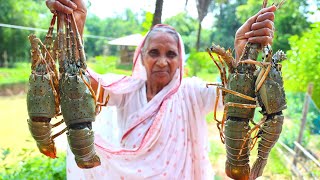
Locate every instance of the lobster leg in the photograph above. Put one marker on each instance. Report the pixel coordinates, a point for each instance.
(221, 68)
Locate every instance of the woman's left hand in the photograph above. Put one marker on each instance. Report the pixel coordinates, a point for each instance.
(257, 29)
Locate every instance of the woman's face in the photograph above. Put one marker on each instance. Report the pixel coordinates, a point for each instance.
(161, 58)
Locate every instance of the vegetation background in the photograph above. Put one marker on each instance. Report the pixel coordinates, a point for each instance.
(295, 33)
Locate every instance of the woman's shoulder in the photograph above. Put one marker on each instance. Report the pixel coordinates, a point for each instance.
(193, 81)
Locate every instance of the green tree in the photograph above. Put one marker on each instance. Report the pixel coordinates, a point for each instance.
(186, 26)
(202, 7)
(113, 27)
(226, 22)
(198, 61)
(14, 42)
(94, 26)
(303, 64)
(147, 23)
(291, 19)
(157, 12)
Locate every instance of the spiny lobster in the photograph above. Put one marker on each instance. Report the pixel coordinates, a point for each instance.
(68, 90)
(245, 89)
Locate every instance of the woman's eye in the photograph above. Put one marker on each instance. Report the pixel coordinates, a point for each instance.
(171, 54)
(153, 53)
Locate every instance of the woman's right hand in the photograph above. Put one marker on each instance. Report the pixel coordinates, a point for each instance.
(77, 7)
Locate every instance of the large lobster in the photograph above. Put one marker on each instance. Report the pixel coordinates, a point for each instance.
(68, 90)
(245, 89)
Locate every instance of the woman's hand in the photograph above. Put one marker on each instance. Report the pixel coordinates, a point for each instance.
(77, 7)
(257, 29)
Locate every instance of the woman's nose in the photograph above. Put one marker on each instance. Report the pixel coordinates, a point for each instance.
(162, 61)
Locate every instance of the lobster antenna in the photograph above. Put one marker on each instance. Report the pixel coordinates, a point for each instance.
(73, 43)
(60, 38)
(68, 32)
(264, 4)
(279, 5)
(48, 39)
(79, 43)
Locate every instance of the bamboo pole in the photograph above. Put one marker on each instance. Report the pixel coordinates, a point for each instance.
(306, 153)
(303, 120)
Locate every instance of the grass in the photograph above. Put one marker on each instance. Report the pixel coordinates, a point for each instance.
(19, 74)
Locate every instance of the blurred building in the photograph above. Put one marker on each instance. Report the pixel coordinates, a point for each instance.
(127, 46)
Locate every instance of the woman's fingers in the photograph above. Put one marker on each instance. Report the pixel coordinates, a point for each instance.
(65, 6)
(265, 16)
(259, 32)
(264, 40)
(69, 4)
(264, 24)
(254, 18)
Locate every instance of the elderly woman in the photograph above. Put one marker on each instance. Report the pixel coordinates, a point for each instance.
(160, 115)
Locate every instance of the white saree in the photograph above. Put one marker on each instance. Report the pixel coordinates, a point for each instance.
(165, 138)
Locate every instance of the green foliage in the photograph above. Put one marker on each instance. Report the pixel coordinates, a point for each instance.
(276, 164)
(102, 63)
(302, 66)
(108, 64)
(187, 27)
(290, 19)
(226, 23)
(216, 150)
(293, 114)
(115, 27)
(147, 22)
(198, 61)
(28, 166)
(14, 42)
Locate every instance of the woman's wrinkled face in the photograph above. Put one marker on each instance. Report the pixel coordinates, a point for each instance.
(161, 58)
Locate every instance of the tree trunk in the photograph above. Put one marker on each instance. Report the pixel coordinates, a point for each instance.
(198, 37)
(157, 13)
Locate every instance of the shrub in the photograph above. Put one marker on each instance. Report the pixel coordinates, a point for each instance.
(32, 167)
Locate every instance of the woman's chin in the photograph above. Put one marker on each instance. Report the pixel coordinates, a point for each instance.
(162, 80)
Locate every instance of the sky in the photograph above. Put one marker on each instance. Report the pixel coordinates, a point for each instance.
(108, 8)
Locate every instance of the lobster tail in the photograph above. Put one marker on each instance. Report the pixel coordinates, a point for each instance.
(235, 132)
(41, 132)
(270, 132)
(257, 168)
(81, 142)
